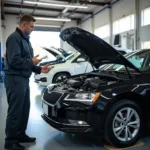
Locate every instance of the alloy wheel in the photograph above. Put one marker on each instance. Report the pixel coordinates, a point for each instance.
(60, 78)
(126, 124)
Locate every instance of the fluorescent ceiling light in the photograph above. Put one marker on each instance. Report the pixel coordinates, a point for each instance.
(53, 19)
(45, 25)
(56, 5)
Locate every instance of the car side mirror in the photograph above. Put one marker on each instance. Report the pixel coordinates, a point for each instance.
(81, 60)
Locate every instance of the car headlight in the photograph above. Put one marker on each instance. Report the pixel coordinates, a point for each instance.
(86, 98)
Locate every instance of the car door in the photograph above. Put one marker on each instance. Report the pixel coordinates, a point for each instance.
(81, 65)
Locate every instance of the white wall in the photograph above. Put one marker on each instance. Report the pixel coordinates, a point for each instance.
(145, 30)
(145, 33)
(123, 8)
(101, 19)
(119, 10)
(87, 25)
(144, 4)
(70, 24)
(10, 26)
(107, 40)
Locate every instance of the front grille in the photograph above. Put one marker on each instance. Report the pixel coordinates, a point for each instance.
(52, 97)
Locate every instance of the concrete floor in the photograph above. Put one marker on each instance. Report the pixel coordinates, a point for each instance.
(47, 137)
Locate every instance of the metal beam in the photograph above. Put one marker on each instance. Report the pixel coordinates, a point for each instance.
(35, 7)
(21, 7)
(61, 14)
(137, 39)
(87, 2)
(73, 11)
(2, 10)
(45, 9)
(15, 13)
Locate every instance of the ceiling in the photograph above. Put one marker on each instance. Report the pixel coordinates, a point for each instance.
(19, 7)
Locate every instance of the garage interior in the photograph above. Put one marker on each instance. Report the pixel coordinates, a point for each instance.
(128, 19)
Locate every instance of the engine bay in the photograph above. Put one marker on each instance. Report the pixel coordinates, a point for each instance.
(94, 81)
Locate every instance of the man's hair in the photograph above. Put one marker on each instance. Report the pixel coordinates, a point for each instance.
(27, 18)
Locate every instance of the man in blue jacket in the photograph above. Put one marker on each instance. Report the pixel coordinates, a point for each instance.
(20, 63)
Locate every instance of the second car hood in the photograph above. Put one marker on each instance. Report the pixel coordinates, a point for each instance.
(98, 51)
(54, 52)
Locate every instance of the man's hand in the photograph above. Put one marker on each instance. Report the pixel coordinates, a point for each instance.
(35, 60)
(46, 68)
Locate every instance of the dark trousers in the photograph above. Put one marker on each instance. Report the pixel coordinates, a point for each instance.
(18, 97)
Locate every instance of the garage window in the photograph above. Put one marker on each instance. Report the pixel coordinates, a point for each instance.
(124, 24)
(44, 39)
(145, 17)
(102, 32)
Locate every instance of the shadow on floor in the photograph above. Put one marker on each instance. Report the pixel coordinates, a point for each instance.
(73, 141)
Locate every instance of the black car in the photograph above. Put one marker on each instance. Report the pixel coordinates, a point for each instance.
(111, 103)
(135, 57)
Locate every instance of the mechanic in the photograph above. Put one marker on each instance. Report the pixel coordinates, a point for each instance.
(19, 65)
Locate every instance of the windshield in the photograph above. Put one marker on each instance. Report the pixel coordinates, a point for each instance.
(140, 59)
(106, 66)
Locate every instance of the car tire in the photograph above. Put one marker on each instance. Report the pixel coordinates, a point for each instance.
(59, 77)
(123, 124)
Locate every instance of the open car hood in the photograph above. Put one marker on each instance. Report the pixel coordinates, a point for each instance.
(98, 51)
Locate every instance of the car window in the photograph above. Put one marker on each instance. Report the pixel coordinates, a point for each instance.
(141, 60)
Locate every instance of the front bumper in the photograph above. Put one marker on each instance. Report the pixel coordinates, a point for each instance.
(58, 115)
(65, 127)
